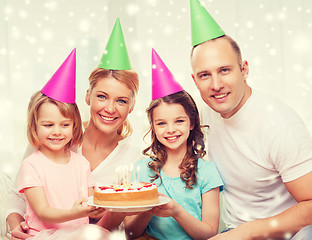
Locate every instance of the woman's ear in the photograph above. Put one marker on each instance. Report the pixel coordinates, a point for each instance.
(132, 106)
(87, 98)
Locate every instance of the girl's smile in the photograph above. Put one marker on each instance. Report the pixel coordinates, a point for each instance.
(172, 125)
(53, 129)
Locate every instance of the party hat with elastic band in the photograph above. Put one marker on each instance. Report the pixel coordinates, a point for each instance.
(115, 56)
(163, 82)
(204, 27)
(62, 85)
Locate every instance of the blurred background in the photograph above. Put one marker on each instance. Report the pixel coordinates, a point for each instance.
(36, 36)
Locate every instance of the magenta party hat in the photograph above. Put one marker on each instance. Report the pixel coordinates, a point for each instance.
(62, 85)
(163, 82)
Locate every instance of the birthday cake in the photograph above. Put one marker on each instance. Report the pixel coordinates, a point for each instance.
(135, 194)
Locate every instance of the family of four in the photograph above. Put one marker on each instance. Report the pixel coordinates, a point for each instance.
(260, 151)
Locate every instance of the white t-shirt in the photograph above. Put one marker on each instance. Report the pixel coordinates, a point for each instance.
(263, 145)
(125, 153)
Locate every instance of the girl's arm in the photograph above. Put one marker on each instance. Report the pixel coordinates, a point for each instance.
(97, 212)
(37, 199)
(197, 229)
(90, 191)
(135, 225)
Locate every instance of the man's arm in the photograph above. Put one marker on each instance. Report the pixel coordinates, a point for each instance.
(284, 224)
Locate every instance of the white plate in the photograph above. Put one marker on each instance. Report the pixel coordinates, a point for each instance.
(162, 200)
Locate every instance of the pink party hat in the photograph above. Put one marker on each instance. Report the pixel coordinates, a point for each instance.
(163, 82)
(62, 85)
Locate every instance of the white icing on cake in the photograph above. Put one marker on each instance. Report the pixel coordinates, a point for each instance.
(135, 187)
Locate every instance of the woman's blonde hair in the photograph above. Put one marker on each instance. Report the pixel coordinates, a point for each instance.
(68, 110)
(129, 77)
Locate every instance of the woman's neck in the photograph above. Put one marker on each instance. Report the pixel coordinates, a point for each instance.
(97, 139)
(97, 146)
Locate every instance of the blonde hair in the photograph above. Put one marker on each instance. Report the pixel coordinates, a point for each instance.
(129, 77)
(68, 110)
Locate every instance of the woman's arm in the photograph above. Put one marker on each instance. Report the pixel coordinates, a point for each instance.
(18, 227)
(15, 206)
(197, 229)
(14, 211)
(37, 199)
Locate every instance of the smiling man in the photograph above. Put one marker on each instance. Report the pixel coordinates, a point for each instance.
(261, 147)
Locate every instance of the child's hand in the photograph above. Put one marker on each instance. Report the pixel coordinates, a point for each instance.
(20, 232)
(80, 209)
(97, 213)
(167, 210)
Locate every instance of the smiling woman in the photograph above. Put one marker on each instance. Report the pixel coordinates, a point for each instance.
(106, 140)
(111, 98)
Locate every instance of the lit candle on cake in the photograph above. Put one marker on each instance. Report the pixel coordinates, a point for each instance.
(138, 172)
(124, 175)
(117, 170)
(132, 172)
(127, 182)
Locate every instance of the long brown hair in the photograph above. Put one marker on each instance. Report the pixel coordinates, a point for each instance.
(195, 141)
(128, 77)
(68, 110)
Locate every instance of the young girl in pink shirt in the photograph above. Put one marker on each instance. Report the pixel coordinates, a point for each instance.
(54, 180)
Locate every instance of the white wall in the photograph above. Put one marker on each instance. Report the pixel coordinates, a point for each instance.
(36, 36)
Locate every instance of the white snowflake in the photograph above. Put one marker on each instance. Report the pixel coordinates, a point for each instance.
(41, 51)
(249, 24)
(133, 9)
(51, 5)
(22, 14)
(84, 25)
(47, 34)
(302, 44)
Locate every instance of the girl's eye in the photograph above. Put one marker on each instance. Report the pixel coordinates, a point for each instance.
(66, 125)
(47, 125)
(160, 123)
(180, 121)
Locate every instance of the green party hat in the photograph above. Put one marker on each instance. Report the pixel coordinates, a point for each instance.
(204, 27)
(116, 55)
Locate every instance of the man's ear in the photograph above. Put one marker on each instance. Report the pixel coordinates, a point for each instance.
(87, 98)
(245, 69)
(194, 79)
